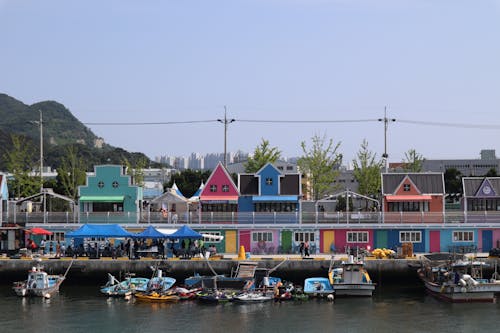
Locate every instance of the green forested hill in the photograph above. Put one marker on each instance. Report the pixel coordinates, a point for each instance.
(60, 129)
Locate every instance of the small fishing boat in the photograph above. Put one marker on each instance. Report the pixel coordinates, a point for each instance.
(351, 279)
(253, 297)
(186, 294)
(40, 283)
(318, 286)
(214, 297)
(156, 297)
(459, 282)
(131, 284)
(159, 283)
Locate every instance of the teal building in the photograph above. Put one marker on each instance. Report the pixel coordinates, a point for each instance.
(109, 197)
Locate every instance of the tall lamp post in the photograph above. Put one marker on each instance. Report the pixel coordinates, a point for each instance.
(226, 122)
(386, 121)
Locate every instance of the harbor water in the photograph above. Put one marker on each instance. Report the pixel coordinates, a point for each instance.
(392, 309)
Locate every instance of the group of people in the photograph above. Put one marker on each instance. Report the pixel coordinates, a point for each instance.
(54, 247)
(304, 249)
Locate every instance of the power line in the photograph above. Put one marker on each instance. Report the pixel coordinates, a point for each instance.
(306, 121)
(456, 125)
(153, 123)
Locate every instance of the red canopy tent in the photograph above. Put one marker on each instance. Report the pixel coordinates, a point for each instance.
(39, 231)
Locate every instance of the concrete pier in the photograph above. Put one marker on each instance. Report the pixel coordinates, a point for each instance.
(296, 269)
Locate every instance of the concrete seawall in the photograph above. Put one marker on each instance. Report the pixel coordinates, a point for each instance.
(94, 271)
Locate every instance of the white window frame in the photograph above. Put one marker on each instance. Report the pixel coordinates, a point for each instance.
(410, 236)
(459, 236)
(225, 188)
(258, 236)
(213, 188)
(212, 240)
(357, 237)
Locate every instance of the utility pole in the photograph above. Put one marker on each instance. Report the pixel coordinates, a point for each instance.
(226, 122)
(386, 121)
(41, 151)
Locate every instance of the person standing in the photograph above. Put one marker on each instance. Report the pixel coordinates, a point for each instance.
(301, 249)
(306, 249)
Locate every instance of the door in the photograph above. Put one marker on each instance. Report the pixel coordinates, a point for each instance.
(434, 241)
(286, 241)
(230, 239)
(487, 240)
(381, 239)
(328, 242)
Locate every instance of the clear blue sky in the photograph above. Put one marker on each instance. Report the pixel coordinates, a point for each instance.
(145, 61)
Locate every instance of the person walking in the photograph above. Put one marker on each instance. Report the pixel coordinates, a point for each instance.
(301, 249)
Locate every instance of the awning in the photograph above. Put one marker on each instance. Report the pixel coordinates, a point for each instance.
(102, 198)
(219, 198)
(392, 198)
(281, 198)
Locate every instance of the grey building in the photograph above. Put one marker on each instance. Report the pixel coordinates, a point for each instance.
(467, 167)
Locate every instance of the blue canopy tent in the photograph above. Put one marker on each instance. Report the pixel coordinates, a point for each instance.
(99, 230)
(185, 232)
(150, 232)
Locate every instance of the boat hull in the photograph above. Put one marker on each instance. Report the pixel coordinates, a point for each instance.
(347, 289)
(456, 294)
(156, 297)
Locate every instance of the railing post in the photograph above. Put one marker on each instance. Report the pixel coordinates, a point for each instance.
(274, 217)
(232, 218)
(253, 217)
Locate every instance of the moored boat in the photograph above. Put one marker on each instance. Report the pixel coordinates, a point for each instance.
(40, 283)
(459, 282)
(156, 297)
(351, 279)
(130, 285)
(253, 297)
(318, 286)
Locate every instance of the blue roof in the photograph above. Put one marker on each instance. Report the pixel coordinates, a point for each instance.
(150, 232)
(99, 230)
(262, 198)
(184, 232)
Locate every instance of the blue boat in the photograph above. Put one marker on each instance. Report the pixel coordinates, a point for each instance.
(130, 285)
(318, 286)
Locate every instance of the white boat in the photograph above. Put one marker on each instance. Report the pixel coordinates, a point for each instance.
(39, 283)
(351, 279)
(460, 282)
(253, 297)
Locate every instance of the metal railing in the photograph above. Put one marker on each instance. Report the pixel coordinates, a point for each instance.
(257, 218)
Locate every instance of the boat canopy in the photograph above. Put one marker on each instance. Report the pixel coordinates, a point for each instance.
(99, 230)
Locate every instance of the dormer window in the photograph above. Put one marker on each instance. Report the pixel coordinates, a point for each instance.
(406, 187)
(213, 188)
(269, 181)
(225, 188)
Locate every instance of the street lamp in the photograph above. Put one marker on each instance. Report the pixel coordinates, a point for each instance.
(386, 121)
(226, 122)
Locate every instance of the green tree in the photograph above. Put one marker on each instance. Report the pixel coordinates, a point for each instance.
(413, 161)
(320, 164)
(188, 181)
(262, 155)
(452, 181)
(20, 161)
(71, 173)
(136, 170)
(491, 173)
(367, 171)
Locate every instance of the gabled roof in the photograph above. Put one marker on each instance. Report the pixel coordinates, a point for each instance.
(425, 182)
(218, 178)
(475, 186)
